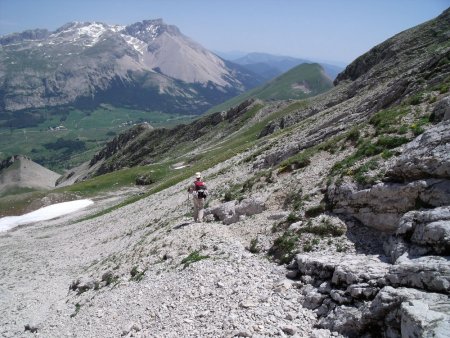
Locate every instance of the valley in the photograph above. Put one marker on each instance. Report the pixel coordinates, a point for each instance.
(65, 140)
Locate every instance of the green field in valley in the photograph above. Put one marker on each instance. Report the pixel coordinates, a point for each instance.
(71, 137)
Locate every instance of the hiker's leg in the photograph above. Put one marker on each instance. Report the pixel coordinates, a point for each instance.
(196, 209)
(201, 209)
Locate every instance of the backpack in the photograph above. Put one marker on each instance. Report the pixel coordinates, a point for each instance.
(200, 188)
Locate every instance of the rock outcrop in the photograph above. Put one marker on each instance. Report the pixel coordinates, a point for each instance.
(232, 211)
(405, 292)
(423, 173)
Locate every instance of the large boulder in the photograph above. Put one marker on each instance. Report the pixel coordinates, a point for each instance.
(417, 178)
(426, 273)
(441, 111)
(426, 156)
(419, 319)
(382, 206)
(344, 270)
(428, 228)
(232, 212)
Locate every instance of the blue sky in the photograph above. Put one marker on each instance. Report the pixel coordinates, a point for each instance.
(332, 30)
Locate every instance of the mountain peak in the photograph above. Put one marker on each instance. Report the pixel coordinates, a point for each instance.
(19, 171)
(148, 30)
(98, 59)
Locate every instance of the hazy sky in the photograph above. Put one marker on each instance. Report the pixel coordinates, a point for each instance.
(333, 30)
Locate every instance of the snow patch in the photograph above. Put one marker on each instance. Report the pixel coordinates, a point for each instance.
(94, 31)
(79, 30)
(43, 214)
(117, 28)
(139, 45)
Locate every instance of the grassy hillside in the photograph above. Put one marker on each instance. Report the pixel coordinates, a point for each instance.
(301, 82)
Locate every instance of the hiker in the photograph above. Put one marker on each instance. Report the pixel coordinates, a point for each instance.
(199, 192)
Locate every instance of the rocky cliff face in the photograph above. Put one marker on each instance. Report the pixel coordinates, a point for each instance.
(152, 65)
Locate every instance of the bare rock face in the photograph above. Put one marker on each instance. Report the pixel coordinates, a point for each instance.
(426, 156)
(423, 170)
(441, 111)
(426, 273)
(428, 227)
(382, 206)
(419, 319)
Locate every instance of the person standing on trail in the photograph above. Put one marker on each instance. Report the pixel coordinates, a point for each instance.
(199, 191)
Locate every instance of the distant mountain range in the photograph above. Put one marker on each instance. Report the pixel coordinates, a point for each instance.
(300, 82)
(148, 65)
(270, 66)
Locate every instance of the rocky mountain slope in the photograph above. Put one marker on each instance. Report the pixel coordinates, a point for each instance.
(151, 64)
(21, 172)
(348, 191)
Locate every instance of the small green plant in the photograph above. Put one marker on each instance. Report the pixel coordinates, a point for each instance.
(324, 228)
(136, 275)
(386, 121)
(295, 162)
(193, 257)
(144, 179)
(283, 248)
(416, 99)
(292, 218)
(308, 247)
(386, 154)
(110, 278)
(390, 142)
(233, 193)
(294, 200)
(403, 129)
(254, 246)
(353, 135)
(444, 88)
(315, 211)
(360, 173)
(77, 309)
(417, 128)
(341, 247)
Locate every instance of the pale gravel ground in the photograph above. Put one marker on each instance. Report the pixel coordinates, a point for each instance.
(233, 292)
